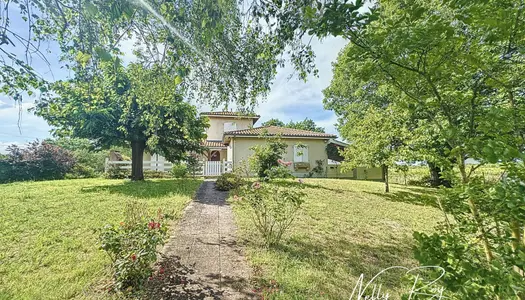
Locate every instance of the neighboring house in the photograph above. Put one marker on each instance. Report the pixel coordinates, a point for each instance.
(231, 135)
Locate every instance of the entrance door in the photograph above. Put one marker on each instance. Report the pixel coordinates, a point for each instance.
(215, 156)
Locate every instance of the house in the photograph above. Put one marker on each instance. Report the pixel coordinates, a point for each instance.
(231, 135)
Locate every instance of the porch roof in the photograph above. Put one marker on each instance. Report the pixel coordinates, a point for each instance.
(213, 144)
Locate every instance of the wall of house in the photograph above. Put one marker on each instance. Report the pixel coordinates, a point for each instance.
(216, 129)
(316, 151)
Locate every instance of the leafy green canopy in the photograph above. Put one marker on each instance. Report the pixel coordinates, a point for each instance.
(216, 58)
(306, 124)
(452, 73)
(123, 105)
(455, 69)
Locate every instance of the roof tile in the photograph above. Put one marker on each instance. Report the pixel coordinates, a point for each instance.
(213, 144)
(230, 113)
(275, 130)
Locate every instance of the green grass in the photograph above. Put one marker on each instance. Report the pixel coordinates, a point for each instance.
(420, 175)
(48, 249)
(346, 228)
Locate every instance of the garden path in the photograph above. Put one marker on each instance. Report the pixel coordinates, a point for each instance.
(202, 259)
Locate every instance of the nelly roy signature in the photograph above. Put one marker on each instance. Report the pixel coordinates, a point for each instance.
(372, 291)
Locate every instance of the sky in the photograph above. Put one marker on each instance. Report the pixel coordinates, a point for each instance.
(289, 98)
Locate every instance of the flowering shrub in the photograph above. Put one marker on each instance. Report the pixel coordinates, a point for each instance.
(274, 208)
(265, 159)
(132, 246)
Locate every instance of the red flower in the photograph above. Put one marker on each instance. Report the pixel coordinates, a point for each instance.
(153, 225)
(133, 257)
(161, 271)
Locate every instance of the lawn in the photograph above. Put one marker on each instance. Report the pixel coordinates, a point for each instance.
(48, 247)
(346, 228)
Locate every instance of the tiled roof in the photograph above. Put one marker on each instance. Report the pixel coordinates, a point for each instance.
(213, 144)
(283, 131)
(230, 114)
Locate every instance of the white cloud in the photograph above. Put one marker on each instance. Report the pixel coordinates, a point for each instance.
(19, 126)
(295, 99)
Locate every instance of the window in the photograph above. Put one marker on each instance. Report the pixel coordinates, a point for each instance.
(300, 153)
(230, 126)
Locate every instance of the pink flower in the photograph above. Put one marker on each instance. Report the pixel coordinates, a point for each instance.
(256, 185)
(284, 163)
(161, 271)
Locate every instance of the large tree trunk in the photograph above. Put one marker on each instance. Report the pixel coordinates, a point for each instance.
(385, 177)
(137, 157)
(435, 176)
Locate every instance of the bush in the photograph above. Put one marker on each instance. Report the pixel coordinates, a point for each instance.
(38, 161)
(132, 246)
(266, 157)
(81, 171)
(150, 174)
(274, 208)
(228, 181)
(193, 165)
(318, 170)
(278, 172)
(179, 171)
(480, 245)
(114, 172)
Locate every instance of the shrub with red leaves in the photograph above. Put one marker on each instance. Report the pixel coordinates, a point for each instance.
(37, 161)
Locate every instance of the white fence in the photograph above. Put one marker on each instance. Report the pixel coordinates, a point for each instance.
(208, 168)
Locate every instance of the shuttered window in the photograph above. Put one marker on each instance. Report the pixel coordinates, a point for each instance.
(300, 153)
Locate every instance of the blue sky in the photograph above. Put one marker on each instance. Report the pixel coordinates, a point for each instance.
(289, 99)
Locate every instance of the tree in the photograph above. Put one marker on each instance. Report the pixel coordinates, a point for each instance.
(132, 105)
(306, 124)
(204, 41)
(456, 70)
(274, 122)
(377, 139)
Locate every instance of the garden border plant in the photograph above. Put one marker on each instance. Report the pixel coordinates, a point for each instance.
(132, 246)
(274, 207)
